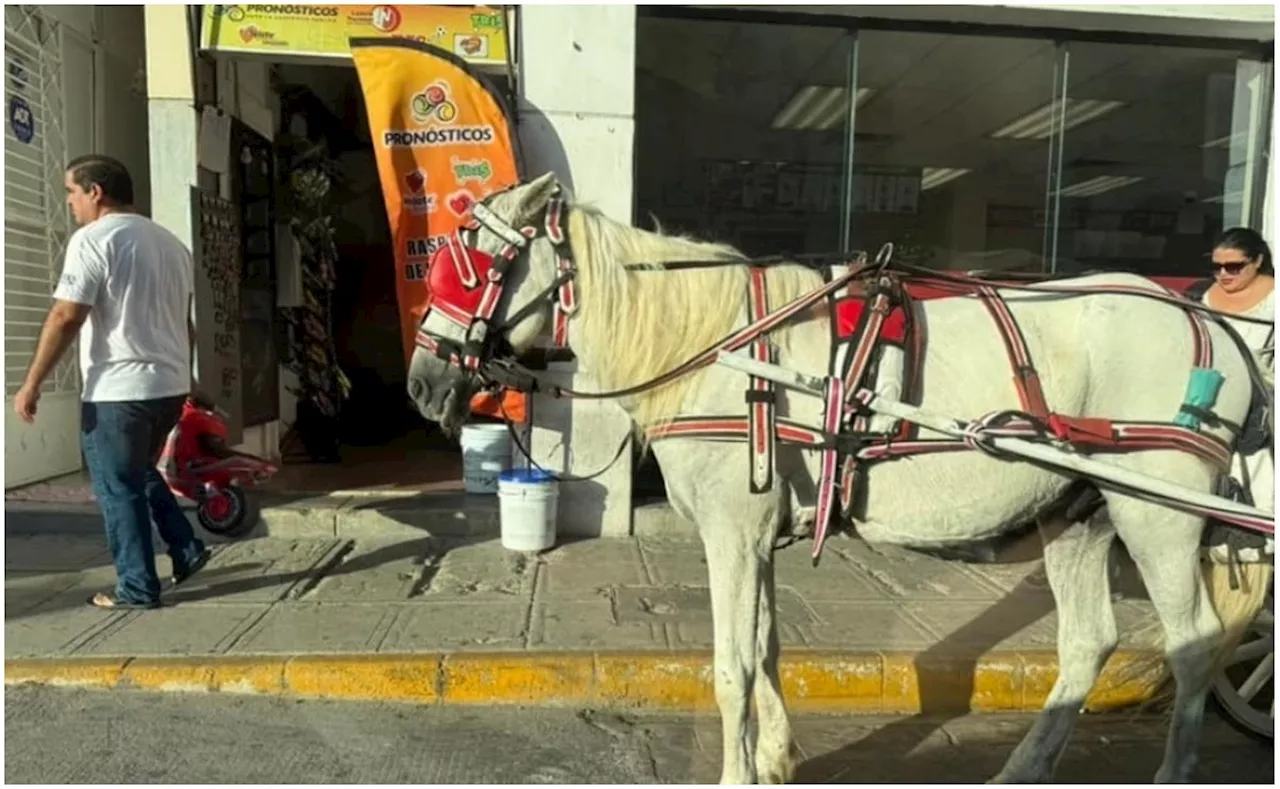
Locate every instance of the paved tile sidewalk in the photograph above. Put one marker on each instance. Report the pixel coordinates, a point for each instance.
(326, 596)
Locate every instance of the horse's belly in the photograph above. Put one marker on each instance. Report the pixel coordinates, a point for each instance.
(939, 500)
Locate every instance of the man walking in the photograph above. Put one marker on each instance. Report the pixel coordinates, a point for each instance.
(126, 289)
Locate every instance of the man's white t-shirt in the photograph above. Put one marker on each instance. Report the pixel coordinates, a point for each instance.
(138, 278)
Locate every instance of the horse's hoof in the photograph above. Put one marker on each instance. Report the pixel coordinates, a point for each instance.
(1005, 779)
(777, 775)
(781, 770)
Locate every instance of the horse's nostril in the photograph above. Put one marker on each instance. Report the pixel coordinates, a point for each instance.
(416, 388)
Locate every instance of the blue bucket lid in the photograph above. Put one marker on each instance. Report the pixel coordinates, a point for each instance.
(526, 476)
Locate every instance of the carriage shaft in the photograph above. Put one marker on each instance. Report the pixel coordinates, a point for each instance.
(1052, 456)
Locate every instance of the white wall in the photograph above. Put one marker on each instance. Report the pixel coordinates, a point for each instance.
(1245, 22)
(1224, 12)
(1268, 203)
(577, 118)
(577, 103)
(244, 90)
(122, 38)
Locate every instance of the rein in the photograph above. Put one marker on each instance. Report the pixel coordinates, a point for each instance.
(733, 342)
(513, 372)
(477, 357)
(1035, 282)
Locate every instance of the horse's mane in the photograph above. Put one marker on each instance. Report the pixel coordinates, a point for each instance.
(634, 326)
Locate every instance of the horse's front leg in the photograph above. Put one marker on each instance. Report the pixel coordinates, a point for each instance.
(775, 748)
(733, 566)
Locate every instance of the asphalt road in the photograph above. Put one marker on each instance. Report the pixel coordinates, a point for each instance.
(72, 736)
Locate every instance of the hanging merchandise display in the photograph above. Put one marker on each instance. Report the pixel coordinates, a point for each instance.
(322, 385)
(217, 257)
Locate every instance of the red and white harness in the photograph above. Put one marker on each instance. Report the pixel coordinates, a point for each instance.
(891, 314)
(466, 284)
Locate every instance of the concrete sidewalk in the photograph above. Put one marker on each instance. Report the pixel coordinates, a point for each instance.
(617, 623)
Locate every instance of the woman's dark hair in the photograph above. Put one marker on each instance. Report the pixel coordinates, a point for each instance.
(1248, 241)
(109, 174)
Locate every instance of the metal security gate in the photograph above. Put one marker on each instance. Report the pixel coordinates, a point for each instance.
(36, 228)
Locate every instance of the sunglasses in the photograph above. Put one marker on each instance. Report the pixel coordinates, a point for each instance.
(1230, 269)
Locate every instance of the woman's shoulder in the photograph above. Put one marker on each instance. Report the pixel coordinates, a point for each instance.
(1266, 307)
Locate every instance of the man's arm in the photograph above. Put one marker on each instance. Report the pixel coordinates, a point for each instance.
(60, 329)
(83, 273)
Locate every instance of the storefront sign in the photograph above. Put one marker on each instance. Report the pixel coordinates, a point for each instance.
(1028, 218)
(477, 34)
(442, 140)
(21, 121)
(766, 188)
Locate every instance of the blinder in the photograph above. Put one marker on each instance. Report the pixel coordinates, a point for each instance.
(465, 285)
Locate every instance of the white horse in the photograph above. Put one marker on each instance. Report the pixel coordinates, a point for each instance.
(631, 326)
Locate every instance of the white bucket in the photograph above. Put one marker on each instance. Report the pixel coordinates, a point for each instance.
(486, 453)
(528, 500)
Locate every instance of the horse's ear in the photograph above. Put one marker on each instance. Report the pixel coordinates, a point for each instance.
(536, 194)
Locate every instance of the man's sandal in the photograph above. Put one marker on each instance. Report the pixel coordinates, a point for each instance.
(110, 601)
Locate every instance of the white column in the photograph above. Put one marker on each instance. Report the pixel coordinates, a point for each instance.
(1269, 188)
(173, 122)
(577, 118)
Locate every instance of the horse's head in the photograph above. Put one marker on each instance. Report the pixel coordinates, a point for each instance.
(491, 289)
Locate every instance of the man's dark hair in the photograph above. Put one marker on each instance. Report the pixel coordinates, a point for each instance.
(109, 174)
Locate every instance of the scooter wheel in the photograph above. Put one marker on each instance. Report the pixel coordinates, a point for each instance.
(225, 513)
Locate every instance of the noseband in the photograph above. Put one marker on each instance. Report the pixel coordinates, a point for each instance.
(466, 284)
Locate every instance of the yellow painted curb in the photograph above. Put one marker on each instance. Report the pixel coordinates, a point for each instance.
(226, 675)
(370, 677)
(83, 672)
(813, 681)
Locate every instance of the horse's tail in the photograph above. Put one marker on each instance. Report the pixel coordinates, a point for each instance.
(1236, 607)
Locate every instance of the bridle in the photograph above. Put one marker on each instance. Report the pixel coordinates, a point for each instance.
(466, 284)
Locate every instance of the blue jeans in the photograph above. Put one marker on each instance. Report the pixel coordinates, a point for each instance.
(122, 442)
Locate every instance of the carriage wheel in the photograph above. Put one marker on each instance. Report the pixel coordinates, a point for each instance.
(1244, 690)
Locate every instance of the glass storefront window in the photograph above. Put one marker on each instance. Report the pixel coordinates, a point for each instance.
(961, 125)
(967, 151)
(1174, 154)
(741, 132)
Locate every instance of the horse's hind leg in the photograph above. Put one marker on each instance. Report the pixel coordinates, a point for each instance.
(1075, 560)
(1165, 545)
(775, 748)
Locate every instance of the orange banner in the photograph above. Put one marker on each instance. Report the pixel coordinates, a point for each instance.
(442, 140)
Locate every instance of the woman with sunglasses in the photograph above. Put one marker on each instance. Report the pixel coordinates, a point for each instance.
(1244, 285)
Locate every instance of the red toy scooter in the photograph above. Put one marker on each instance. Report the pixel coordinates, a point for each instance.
(196, 464)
